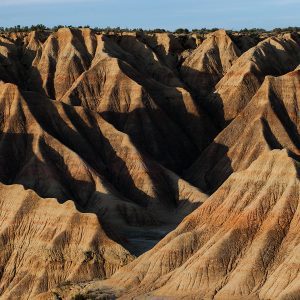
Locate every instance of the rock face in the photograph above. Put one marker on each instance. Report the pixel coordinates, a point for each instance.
(208, 63)
(44, 243)
(273, 56)
(182, 151)
(240, 244)
(71, 153)
(133, 89)
(269, 121)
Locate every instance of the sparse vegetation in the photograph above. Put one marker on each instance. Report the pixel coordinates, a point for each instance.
(181, 31)
(201, 31)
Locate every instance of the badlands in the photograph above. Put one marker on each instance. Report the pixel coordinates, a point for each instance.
(149, 165)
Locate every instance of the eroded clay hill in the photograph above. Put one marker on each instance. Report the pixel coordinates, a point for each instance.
(241, 244)
(44, 243)
(274, 56)
(269, 121)
(209, 62)
(111, 144)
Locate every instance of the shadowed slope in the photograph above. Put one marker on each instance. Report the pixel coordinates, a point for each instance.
(69, 153)
(44, 244)
(208, 63)
(166, 46)
(83, 147)
(233, 247)
(99, 166)
(63, 57)
(270, 121)
(11, 69)
(273, 56)
(127, 77)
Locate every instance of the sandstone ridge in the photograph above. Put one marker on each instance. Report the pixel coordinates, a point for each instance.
(149, 165)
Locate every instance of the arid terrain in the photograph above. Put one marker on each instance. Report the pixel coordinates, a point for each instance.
(149, 165)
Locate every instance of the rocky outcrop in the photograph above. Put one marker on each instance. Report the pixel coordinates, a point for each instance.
(132, 89)
(269, 121)
(75, 156)
(209, 62)
(240, 244)
(274, 56)
(44, 243)
(140, 166)
(62, 59)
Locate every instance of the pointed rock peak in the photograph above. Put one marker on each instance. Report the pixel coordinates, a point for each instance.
(276, 162)
(9, 92)
(279, 40)
(208, 63)
(222, 40)
(64, 30)
(9, 87)
(35, 39)
(292, 36)
(86, 30)
(221, 36)
(32, 36)
(65, 34)
(220, 32)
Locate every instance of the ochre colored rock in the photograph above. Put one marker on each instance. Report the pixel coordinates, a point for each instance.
(142, 165)
(246, 233)
(269, 121)
(273, 56)
(208, 63)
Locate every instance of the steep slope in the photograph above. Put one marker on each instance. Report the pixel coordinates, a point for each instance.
(270, 121)
(274, 56)
(133, 90)
(246, 41)
(92, 178)
(32, 45)
(10, 68)
(166, 46)
(64, 56)
(73, 154)
(17, 52)
(44, 243)
(208, 63)
(241, 244)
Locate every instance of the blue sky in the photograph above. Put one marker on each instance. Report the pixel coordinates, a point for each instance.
(169, 14)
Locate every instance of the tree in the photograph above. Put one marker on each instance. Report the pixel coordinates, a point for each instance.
(182, 31)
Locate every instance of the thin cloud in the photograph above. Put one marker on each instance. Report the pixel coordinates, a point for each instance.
(28, 2)
(286, 2)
